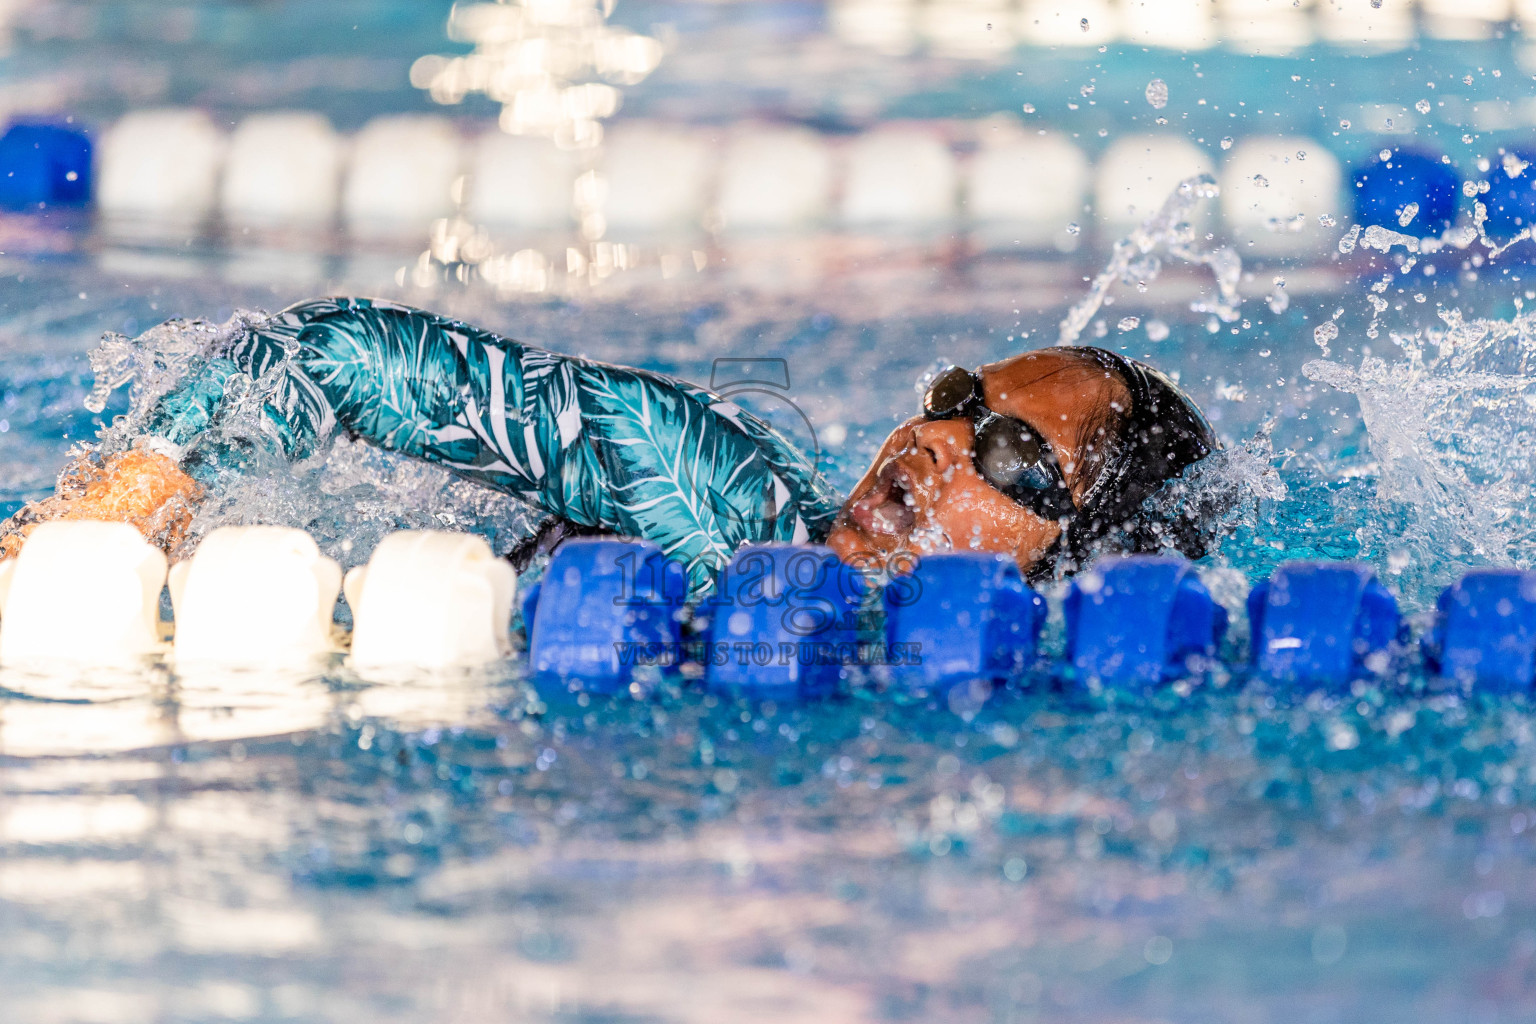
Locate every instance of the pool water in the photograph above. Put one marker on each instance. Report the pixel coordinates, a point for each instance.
(466, 847)
(267, 848)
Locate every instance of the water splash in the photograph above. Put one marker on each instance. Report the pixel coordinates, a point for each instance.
(1134, 260)
(1221, 493)
(1451, 429)
(1324, 334)
(348, 496)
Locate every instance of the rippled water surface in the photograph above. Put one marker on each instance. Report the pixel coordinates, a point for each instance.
(331, 848)
(265, 848)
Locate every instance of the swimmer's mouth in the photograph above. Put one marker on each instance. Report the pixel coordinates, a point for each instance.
(887, 510)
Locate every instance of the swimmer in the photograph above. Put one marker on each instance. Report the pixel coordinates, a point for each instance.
(1048, 456)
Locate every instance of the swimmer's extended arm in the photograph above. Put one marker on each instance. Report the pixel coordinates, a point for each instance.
(604, 447)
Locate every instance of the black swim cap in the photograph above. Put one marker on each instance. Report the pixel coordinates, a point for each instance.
(1159, 436)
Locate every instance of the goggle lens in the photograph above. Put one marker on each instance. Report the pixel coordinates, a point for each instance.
(1009, 455)
(951, 393)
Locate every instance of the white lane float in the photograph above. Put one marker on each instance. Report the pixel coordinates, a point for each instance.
(1136, 175)
(158, 172)
(284, 170)
(885, 26)
(1174, 24)
(1068, 22)
(1274, 189)
(1023, 191)
(520, 183)
(1268, 28)
(774, 179)
(431, 599)
(1464, 19)
(899, 179)
(254, 595)
(656, 178)
(976, 29)
(81, 593)
(1366, 26)
(401, 177)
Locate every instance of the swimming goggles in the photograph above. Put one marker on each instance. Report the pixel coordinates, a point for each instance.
(1008, 453)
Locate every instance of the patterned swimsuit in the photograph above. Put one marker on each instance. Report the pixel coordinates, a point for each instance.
(605, 448)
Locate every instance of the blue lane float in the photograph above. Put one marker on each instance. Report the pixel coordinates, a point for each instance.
(1385, 188)
(1511, 202)
(1485, 630)
(1322, 623)
(605, 613)
(958, 617)
(783, 624)
(44, 165)
(1141, 621)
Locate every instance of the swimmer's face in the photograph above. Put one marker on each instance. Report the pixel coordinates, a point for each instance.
(923, 494)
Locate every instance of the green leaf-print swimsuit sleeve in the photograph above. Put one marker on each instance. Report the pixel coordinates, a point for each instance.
(606, 447)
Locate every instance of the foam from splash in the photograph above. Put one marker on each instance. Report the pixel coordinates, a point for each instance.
(348, 496)
(1221, 493)
(1451, 428)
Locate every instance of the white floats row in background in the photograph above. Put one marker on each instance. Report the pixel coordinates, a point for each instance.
(171, 172)
(986, 28)
(88, 593)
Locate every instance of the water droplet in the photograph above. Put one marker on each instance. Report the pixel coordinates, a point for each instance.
(1376, 4)
(1129, 323)
(1157, 330)
(1073, 229)
(1406, 214)
(1466, 80)
(1083, 24)
(1226, 143)
(1422, 106)
(1086, 90)
(1157, 93)
(1261, 181)
(1326, 220)
(1279, 300)
(1384, 155)
(1158, 950)
(1324, 333)
(1344, 124)
(1029, 108)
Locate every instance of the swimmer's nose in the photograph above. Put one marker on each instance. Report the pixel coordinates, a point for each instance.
(946, 442)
